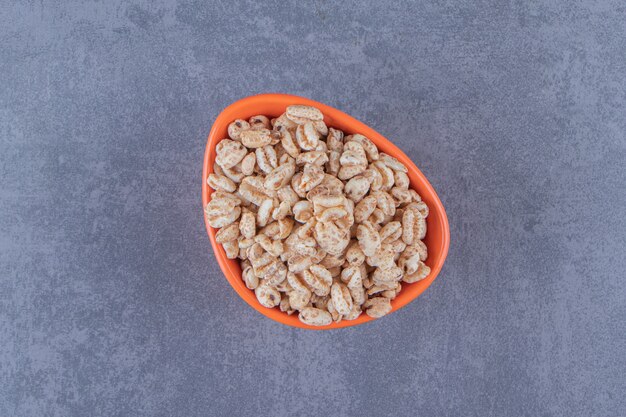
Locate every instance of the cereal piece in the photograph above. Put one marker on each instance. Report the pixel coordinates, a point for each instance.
(348, 171)
(299, 299)
(256, 138)
(353, 154)
(386, 173)
(280, 176)
(231, 248)
(249, 278)
(312, 157)
(396, 246)
(222, 183)
(400, 196)
(283, 123)
(315, 317)
(385, 202)
(248, 163)
(228, 233)
(331, 261)
(259, 122)
(302, 211)
(265, 212)
(297, 283)
(386, 275)
(283, 287)
(334, 141)
(312, 175)
(356, 188)
(229, 153)
(301, 245)
(271, 230)
(377, 217)
(333, 165)
(342, 300)
(288, 195)
(354, 254)
(422, 249)
(236, 127)
(266, 158)
(307, 136)
(392, 162)
(234, 174)
(321, 128)
(422, 208)
(368, 237)
(252, 189)
(296, 185)
(420, 226)
(267, 296)
(408, 222)
(288, 143)
(274, 247)
(422, 272)
(409, 260)
(277, 272)
(416, 197)
(305, 112)
(331, 238)
(274, 272)
(220, 213)
(384, 258)
(370, 149)
(298, 263)
(281, 211)
(285, 226)
(401, 180)
(354, 313)
(365, 208)
(319, 279)
(285, 306)
(391, 230)
(377, 307)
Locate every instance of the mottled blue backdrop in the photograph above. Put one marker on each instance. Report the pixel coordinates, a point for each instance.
(112, 304)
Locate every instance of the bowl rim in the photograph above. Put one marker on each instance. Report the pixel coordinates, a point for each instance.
(232, 273)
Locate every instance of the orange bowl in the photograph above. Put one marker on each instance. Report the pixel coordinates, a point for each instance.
(273, 105)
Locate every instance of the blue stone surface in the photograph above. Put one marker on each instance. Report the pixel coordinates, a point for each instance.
(112, 303)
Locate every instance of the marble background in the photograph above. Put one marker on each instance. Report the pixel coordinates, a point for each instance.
(112, 304)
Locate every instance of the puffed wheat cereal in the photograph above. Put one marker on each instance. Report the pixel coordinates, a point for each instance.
(323, 224)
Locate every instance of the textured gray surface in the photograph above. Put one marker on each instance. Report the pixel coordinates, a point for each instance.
(112, 304)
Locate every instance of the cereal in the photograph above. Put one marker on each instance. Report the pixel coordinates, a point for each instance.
(370, 149)
(229, 153)
(377, 307)
(251, 280)
(236, 127)
(319, 283)
(307, 136)
(368, 237)
(221, 183)
(342, 300)
(304, 112)
(255, 138)
(315, 316)
(422, 272)
(323, 224)
(356, 188)
(268, 297)
(248, 163)
(227, 233)
(259, 122)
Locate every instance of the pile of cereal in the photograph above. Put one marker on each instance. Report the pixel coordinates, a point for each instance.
(323, 224)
